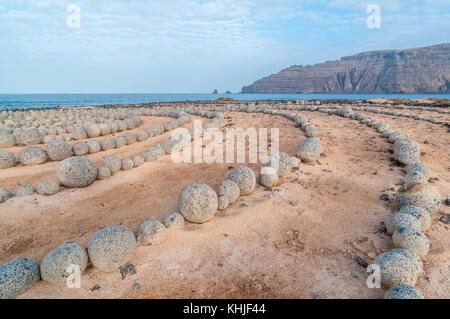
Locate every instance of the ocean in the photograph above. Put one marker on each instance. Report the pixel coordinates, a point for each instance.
(12, 101)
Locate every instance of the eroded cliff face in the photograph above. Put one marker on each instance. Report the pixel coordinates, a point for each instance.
(418, 70)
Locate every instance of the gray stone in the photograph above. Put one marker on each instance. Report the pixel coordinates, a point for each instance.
(25, 191)
(285, 163)
(32, 155)
(411, 239)
(103, 173)
(420, 167)
(113, 163)
(93, 130)
(105, 128)
(30, 136)
(130, 137)
(142, 136)
(5, 194)
(229, 189)
(60, 263)
(268, 177)
(127, 164)
(400, 220)
(7, 159)
(403, 292)
(76, 171)
(422, 195)
(80, 148)
(7, 140)
(58, 150)
(311, 131)
(197, 202)
(151, 232)
(94, 146)
(16, 276)
(422, 214)
(399, 267)
(120, 141)
(47, 187)
(224, 202)
(149, 156)
(174, 220)
(111, 247)
(310, 149)
(78, 133)
(137, 160)
(245, 178)
(108, 143)
(414, 178)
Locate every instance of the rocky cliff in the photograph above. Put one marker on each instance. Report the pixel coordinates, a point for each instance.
(418, 70)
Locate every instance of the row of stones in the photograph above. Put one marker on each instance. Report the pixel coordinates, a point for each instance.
(401, 266)
(85, 128)
(113, 246)
(58, 150)
(78, 171)
(410, 107)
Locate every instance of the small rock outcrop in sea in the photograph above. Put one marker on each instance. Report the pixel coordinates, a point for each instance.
(58, 150)
(32, 155)
(111, 247)
(399, 267)
(229, 189)
(56, 265)
(245, 178)
(197, 203)
(47, 187)
(403, 292)
(310, 149)
(76, 171)
(151, 232)
(411, 239)
(16, 276)
(7, 159)
(174, 220)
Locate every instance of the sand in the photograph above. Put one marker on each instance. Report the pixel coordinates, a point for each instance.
(298, 240)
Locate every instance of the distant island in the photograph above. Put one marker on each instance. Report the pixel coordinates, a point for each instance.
(418, 70)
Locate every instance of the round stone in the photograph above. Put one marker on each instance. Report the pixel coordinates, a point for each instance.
(93, 130)
(16, 276)
(310, 149)
(32, 155)
(197, 202)
(422, 214)
(174, 220)
(108, 143)
(229, 189)
(399, 267)
(414, 178)
(7, 159)
(113, 163)
(419, 167)
(7, 140)
(105, 128)
(61, 262)
(130, 138)
(245, 178)
(137, 160)
(311, 131)
(80, 148)
(78, 133)
(47, 187)
(411, 239)
(25, 191)
(149, 156)
(5, 194)
(103, 173)
(127, 164)
(151, 232)
(111, 247)
(400, 220)
(403, 292)
(422, 195)
(76, 171)
(284, 162)
(94, 146)
(142, 136)
(120, 141)
(58, 150)
(268, 177)
(30, 136)
(224, 202)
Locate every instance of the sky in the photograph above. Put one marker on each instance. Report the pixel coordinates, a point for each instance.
(194, 46)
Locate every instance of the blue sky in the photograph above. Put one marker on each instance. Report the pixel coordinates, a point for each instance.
(195, 46)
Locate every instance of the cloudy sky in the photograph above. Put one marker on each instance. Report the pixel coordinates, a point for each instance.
(194, 46)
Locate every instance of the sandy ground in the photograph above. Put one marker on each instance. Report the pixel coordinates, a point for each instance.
(298, 240)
